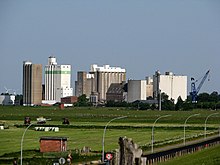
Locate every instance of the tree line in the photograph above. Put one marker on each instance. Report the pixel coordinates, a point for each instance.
(204, 101)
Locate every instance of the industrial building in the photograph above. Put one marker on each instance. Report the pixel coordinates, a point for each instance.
(7, 99)
(149, 87)
(57, 81)
(69, 100)
(32, 84)
(83, 85)
(95, 84)
(117, 92)
(104, 76)
(137, 90)
(170, 84)
(140, 89)
(53, 144)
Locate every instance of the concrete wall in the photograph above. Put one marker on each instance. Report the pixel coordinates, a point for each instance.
(104, 77)
(36, 88)
(99, 80)
(174, 86)
(32, 84)
(136, 90)
(83, 85)
(149, 87)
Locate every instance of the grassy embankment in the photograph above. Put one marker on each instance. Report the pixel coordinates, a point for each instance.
(208, 156)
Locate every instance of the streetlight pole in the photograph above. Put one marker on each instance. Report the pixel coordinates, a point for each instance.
(206, 122)
(103, 137)
(152, 134)
(184, 130)
(22, 139)
(159, 100)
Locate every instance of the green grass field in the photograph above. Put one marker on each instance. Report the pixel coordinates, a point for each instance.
(87, 125)
(209, 156)
(77, 138)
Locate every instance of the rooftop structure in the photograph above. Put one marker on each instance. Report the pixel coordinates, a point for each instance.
(116, 92)
(106, 68)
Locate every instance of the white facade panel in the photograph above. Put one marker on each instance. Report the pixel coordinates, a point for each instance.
(174, 86)
(57, 80)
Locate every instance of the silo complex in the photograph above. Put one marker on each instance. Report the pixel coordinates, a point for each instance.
(99, 80)
(57, 81)
(172, 85)
(104, 77)
(32, 84)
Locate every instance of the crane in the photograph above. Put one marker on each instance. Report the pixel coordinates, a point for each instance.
(194, 90)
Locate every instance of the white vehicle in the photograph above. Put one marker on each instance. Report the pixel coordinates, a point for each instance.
(41, 120)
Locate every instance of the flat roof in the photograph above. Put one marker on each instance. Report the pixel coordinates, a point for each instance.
(52, 138)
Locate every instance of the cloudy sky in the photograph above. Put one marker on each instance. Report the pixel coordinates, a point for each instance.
(142, 36)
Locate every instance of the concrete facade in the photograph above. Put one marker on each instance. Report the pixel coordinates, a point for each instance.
(103, 77)
(98, 80)
(137, 90)
(83, 85)
(149, 87)
(170, 84)
(32, 84)
(57, 80)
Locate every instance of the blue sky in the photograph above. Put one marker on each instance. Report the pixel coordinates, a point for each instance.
(142, 36)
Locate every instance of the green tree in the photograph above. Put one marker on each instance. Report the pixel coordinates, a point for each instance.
(214, 97)
(203, 97)
(144, 106)
(83, 101)
(179, 104)
(166, 104)
(153, 106)
(164, 96)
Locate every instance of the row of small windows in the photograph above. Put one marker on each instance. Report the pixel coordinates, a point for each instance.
(58, 66)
